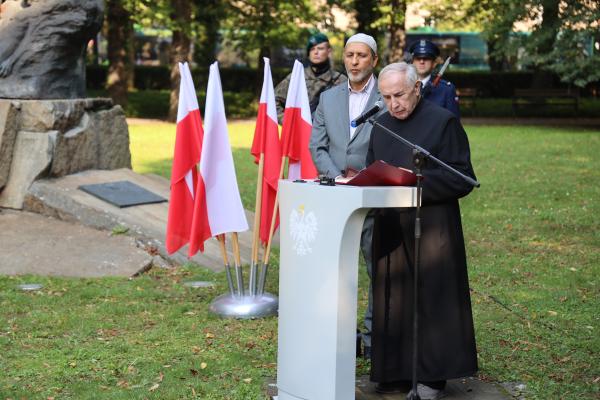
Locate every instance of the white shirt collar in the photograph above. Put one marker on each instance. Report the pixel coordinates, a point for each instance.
(365, 89)
(425, 80)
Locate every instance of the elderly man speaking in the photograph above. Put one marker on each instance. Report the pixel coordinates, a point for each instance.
(446, 335)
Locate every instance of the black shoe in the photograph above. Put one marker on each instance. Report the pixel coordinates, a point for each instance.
(392, 387)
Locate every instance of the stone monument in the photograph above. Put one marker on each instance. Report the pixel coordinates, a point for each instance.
(47, 126)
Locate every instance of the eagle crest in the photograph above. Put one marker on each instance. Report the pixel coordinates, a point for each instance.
(303, 230)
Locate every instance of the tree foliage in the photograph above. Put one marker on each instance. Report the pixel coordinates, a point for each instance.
(260, 25)
(391, 21)
(561, 38)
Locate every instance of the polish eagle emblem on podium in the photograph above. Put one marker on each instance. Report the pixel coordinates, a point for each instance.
(303, 230)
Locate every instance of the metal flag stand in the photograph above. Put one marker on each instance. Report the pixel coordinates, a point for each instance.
(255, 303)
(238, 303)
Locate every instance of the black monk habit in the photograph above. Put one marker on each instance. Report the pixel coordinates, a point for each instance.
(446, 335)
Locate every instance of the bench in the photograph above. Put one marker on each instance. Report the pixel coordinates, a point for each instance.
(545, 97)
(466, 98)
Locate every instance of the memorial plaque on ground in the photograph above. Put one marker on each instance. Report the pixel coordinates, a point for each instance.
(122, 193)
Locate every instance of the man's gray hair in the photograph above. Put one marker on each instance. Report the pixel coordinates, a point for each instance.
(408, 70)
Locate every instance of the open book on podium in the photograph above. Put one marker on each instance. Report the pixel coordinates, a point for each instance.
(379, 173)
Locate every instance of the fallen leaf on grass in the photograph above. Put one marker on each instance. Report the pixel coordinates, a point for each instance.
(209, 335)
(154, 387)
(193, 371)
(247, 380)
(161, 376)
(553, 313)
(203, 365)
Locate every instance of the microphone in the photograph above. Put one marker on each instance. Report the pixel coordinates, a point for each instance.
(365, 116)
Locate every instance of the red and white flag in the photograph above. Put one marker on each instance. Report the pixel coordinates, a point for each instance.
(184, 172)
(266, 141)
(217, 206)
(297, 125)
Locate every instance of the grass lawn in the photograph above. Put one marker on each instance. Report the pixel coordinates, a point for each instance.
(533, 239)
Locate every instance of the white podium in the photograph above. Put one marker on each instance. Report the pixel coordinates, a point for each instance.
(318, 279)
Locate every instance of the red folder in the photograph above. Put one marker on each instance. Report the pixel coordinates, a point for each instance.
(379, 173)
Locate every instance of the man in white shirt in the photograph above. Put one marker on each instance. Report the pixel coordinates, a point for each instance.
(335, 145)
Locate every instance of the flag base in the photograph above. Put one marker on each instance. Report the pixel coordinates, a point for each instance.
(246, 306)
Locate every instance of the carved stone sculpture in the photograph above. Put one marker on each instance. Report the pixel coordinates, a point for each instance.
(43, 45)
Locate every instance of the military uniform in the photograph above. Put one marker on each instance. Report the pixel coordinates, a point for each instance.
(314, 84)
(444, 95)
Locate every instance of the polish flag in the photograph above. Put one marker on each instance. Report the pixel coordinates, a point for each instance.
(217, 207)
(184, 172)
(297, 125)
(266, 141)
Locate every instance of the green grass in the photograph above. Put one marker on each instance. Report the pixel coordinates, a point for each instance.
(152, 152)
(532, 234)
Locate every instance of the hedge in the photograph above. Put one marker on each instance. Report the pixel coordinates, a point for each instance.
(488, 84)
(159, 78)
(155, 103)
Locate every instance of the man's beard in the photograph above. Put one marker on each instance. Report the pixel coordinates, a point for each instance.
(360, 77)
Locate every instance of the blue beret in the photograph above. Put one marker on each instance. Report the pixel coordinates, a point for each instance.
(424, 48)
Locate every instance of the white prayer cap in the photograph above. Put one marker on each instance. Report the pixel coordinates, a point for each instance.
(365, 39)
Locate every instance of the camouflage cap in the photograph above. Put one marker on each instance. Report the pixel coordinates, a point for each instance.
(315, 39)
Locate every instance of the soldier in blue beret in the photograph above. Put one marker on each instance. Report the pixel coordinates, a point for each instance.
(424, 57)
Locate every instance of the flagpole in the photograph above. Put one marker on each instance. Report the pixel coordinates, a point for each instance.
(238, 264)
(257, 211)
(221, 239)
(267, 253)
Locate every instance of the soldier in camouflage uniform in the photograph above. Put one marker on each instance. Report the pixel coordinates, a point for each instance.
(319, 75)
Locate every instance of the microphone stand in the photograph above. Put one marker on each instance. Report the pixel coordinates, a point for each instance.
(420, 158)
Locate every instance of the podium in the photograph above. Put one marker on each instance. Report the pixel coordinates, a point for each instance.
(320, 229)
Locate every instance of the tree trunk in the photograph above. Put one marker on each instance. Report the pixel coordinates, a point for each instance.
(367, 12)
(119, 38)
(495, 61)
(397, 31)
(544, 37)
(212, 12)
(180, 49)
(265, 48)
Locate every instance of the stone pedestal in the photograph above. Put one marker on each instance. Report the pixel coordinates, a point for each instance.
(53, 138)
